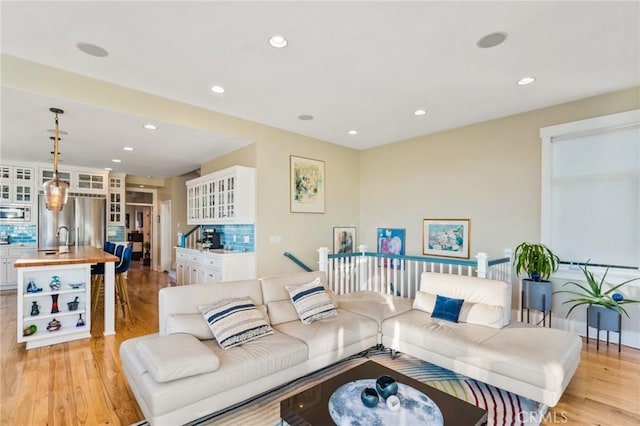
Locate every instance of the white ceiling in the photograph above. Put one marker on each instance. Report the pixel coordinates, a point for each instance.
(352, 65)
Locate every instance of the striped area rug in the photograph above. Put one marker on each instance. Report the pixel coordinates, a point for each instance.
(503, 408)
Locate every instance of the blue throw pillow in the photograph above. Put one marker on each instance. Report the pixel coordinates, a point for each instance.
(447, 308)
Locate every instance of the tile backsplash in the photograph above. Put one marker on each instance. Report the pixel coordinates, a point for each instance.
(19, 233)
(236, 237)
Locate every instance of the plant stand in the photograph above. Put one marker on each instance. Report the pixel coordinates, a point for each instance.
(602, 318)
(536, 295)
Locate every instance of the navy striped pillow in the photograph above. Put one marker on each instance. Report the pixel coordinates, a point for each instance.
(311, 301)
(235, 321)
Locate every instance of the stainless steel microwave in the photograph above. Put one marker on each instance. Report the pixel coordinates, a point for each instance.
(15, 213)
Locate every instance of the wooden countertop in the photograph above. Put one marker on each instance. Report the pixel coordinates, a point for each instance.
(76, 255)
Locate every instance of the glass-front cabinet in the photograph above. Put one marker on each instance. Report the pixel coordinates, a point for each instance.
(226, 196)
(116, 199)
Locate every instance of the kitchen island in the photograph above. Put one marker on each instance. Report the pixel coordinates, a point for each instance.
(52, 313)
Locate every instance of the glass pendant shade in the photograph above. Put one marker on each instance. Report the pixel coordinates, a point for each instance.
(56, 193)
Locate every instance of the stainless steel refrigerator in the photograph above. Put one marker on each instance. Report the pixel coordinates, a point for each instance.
(84, 217)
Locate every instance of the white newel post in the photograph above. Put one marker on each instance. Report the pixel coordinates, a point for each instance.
(362, 267)
(482, 265)
(323, 260)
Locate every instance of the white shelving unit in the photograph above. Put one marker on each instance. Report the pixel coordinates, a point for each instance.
(69, 329)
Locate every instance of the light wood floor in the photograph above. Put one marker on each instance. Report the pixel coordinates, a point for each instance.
(80, 383)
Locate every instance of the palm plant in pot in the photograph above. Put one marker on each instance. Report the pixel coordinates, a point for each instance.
(604, 305)
(538, 262)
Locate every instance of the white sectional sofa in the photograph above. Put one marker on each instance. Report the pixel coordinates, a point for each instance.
(181, 374)
(534, 362)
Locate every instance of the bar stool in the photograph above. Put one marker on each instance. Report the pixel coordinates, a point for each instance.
(97, 274)
(122, 294)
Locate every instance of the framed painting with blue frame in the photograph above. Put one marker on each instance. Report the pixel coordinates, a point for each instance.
(390, 241)
(446, 237)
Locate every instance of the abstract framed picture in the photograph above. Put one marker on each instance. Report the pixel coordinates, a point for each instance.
(446, 237)
(306, 185)
(390, 241)
(344, 239)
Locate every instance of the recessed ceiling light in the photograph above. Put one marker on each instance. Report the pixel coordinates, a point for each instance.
(115, 160)
(491, 40)
(141, 186)
(128, 148)
(150, 127)
(92, 49)
(108, 169)
(305, 117)
(278, 42)
(420, 112)
(525, 80)
(217, 89)
(353, 132)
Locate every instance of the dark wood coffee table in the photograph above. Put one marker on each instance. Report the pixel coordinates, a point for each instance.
(310, 407)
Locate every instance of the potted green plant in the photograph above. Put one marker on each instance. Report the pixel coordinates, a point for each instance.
(538, 262)
(604, 306)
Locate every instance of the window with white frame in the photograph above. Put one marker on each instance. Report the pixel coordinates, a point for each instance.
(591, 190)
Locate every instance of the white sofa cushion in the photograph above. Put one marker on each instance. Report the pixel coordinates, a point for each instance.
(168, 358)
(373, 304)
(235, 321)
(193, 324)
(473, 313)
(470, 289)
(331, 334)
(311, 301)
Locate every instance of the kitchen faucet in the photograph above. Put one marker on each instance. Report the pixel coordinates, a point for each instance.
(63, 248)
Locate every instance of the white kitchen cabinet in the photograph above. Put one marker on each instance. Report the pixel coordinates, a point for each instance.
(8, 273)
(46, 174)
(116, 207)
(223, 197)
(74, 324)
(203, 266)
(89, 182)
(17, 184)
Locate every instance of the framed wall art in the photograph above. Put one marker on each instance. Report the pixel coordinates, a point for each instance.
(306, 185)
(344, 239)
(390, 241)
(446, 237)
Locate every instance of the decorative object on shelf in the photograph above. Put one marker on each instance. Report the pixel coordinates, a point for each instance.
(73, 305)
(76, 286)
(32, 287)
(386, 386)
(30, 330)
(55, 190)
(54, 304)
(344, 239)
(539, 262)
(307, 185)
(390, 241)
(604, 308)
(35, 309)
(55, 283)
(80, 321)
(54, 325)
(446, 237)
(369, 397)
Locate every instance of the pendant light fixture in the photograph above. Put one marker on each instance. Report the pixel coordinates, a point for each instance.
(56, 191)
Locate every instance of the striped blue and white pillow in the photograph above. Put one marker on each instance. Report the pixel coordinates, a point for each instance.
(311, 301)
(235, 321)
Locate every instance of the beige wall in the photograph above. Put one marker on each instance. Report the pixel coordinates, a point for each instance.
(300, 234)
(488, 172)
